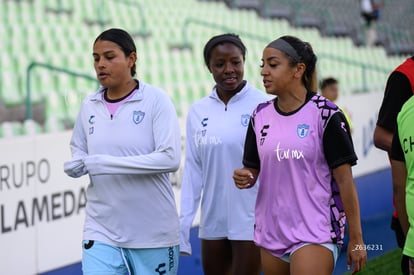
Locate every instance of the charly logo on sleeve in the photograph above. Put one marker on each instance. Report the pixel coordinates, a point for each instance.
(91, 121)
(204, 121)
(204, 124)
(263, 133)
(201, 138)
(138, 116)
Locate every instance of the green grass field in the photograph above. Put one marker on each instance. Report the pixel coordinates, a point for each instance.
(386, 264)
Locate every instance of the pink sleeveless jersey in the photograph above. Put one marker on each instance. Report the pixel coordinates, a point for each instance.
(298, 200)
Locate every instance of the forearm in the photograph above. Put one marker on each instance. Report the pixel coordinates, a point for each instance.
(382, 138)
(399, 176)
(156, 162)
(350, 201)
(191, 189)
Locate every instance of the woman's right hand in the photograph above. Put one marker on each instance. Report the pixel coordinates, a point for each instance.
(75, 168)
(245, 178)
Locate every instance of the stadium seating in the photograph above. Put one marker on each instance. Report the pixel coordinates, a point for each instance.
(10, 129)
(31, 127)
(170, 36)
(342, 18)
(54, 125)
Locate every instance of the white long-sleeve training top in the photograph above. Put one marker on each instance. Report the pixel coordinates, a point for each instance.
(215, 135)
(130, 201)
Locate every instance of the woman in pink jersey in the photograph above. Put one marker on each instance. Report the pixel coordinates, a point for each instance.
(300, 148)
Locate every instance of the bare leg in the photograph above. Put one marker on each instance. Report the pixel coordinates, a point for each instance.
(273, 265)
(246, 258)
(312, 260)
(216, 257)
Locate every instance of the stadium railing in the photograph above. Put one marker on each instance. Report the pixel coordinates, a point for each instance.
(36, 66)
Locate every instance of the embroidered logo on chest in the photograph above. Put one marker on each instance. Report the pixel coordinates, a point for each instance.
(302, 130)
(138, 116)
(245, 119)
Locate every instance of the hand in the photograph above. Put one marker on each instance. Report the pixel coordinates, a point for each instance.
(75, 168)
(244, 178)
(356, 255)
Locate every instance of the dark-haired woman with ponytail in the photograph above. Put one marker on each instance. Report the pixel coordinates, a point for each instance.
(299, 147)
(127, 139)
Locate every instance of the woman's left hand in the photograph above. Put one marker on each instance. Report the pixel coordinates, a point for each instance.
(356, 255)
